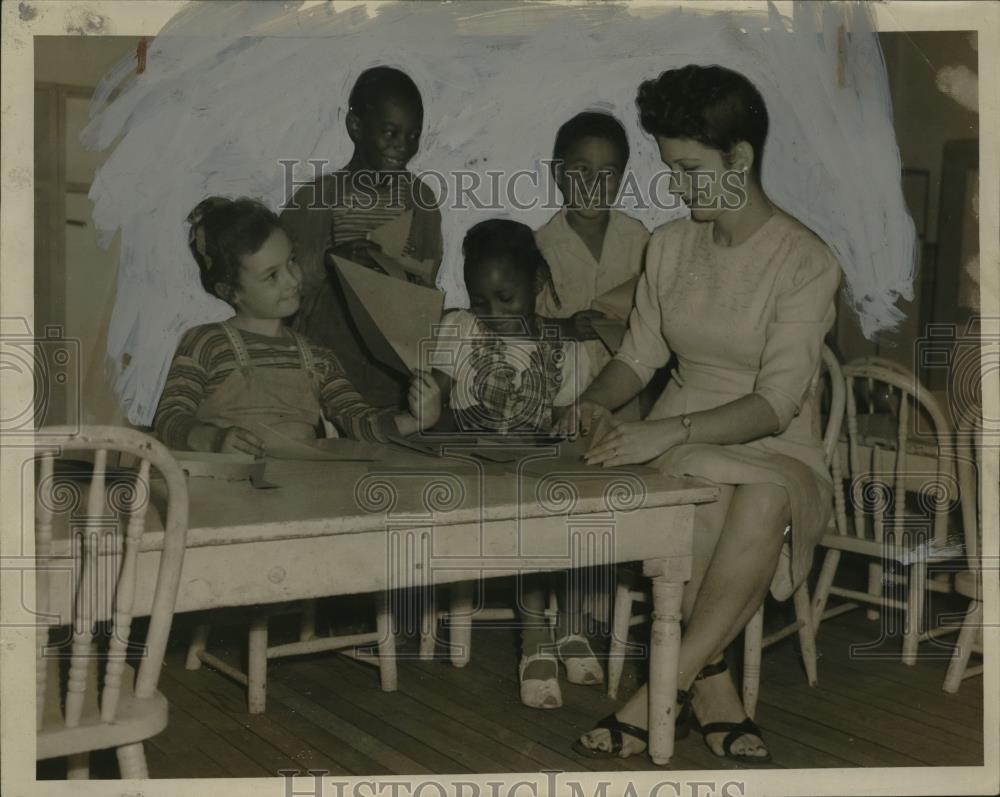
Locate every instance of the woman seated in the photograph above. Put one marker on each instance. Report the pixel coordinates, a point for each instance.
(743, 294)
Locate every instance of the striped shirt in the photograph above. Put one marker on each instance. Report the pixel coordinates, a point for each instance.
(205, 358)
(370, 205)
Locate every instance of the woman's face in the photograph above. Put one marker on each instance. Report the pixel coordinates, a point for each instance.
(702, 178)
(270, 280)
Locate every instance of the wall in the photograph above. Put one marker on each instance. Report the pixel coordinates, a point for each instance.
(925, 119)
(75, 275)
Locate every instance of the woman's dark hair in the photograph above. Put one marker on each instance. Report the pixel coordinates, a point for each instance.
(591, 124)
(222, 231)
(507, 239)
(712, 105)
(376, 84)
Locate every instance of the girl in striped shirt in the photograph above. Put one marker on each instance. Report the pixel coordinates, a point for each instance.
(252, 372)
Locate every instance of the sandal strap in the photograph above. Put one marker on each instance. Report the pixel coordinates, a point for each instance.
(616, 728)
(545, 656)
(574, 638)
(733, 731)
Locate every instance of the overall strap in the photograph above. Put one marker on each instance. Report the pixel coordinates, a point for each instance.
(305, 351)
(239, 348)
(306, 355)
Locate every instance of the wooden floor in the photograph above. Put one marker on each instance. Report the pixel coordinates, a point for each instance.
(326, 712)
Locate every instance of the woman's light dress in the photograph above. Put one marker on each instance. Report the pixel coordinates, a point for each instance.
(743, 319)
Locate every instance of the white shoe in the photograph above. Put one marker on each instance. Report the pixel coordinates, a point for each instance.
(538, 692)
(584, 669)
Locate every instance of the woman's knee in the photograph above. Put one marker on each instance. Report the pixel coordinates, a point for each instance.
(767, 503)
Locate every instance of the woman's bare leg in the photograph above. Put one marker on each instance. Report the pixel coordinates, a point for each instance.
(718, 602)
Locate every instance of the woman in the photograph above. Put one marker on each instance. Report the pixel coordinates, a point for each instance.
(743, 294)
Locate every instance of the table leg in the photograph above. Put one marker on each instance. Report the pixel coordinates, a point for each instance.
(664, 657)
(460, 622)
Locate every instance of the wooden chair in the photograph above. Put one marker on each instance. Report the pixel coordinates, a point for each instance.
(754, 640)
(969, 583)
(102, 563)
(459, 618)
(883, 527)
(259, 651)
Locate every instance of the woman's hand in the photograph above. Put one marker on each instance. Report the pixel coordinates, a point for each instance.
(424, 398)
(636, 442)
(582, 417)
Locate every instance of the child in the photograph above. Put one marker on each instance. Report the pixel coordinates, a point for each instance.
(336, 214)
(500, 370)
(230, 383)
(590, 248)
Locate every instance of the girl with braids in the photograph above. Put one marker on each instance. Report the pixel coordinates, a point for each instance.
(743, 294)
(252, 371)
(502, 368)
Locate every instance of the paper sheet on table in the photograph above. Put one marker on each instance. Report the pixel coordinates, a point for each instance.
(280, 446)
(617, 303)
(393, 315)
(496, 448)
(611, 331)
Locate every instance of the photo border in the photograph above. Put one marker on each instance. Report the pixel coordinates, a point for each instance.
(22, 21)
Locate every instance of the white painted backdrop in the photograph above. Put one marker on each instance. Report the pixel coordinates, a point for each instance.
(231, 89)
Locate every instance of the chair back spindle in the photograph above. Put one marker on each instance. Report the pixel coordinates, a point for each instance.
(104, 572)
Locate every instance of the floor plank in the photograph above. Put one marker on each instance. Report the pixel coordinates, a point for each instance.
(326, 712)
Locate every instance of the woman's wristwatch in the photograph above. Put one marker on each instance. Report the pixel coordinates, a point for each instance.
(686, 423)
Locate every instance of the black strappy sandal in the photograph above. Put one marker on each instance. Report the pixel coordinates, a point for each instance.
(733, 730)
(616, 728)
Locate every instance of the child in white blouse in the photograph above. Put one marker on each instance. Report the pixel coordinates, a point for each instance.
(590, 247)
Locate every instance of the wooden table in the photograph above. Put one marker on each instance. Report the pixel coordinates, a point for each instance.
(333, 528)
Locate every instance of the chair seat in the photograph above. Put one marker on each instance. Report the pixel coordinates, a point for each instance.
(905, 552)
(135, 720)
(969, 584)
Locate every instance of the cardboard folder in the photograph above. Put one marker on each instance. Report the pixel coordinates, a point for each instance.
(617, 303)
(393, 235)
(393, 315)
(611, 331)
(392, 238)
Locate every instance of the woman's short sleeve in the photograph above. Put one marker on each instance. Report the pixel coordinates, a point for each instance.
(803, 314)
(643, 349)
